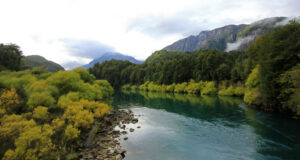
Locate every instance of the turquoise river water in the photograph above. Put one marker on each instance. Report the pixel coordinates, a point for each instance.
(186, 127)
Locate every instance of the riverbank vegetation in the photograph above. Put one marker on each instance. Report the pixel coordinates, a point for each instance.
(267, 74)
(47, 115)
(192, 87)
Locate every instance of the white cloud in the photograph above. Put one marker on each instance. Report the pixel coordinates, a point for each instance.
(133, 27)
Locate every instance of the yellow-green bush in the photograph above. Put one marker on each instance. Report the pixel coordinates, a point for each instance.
(104, 87)
(41, 113)
(209, 89)
(171, 88)
(194, 87)
(144, 87)
(84, 75)
(239, 91)
(179, 88)
(126, 87)
(61, 103)
(10, 102)
(232, 91)
(40, 99)
(252, 93)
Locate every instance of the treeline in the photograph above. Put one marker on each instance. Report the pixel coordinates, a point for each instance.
(192, 87)
(164, 67)
(10, 57)
(274, 83)
(273, 61)
(47, 115)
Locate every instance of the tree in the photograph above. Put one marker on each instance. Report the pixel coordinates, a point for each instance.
(276, 52)
(252, 94)
(10, 57)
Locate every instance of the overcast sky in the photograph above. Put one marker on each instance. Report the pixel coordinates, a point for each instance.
(72, 32)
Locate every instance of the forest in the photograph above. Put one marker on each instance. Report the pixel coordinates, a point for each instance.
(46, 115)
(267, 73)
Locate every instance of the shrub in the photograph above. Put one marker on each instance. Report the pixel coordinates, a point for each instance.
(209, 89)
(179, 88)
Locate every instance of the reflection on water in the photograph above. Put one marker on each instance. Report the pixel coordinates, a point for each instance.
(190, 127)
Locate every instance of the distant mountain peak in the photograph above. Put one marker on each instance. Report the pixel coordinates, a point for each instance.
(110, 56)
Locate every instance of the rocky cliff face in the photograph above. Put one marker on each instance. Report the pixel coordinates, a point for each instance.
(230, 37)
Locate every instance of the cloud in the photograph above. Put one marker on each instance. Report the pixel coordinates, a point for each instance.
(287, 20)
(158, 25)
(86, 48)
(72, 64)
(132, 27)
(238, 43)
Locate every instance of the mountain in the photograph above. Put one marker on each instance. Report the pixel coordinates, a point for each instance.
(227, 38)
(109, 56)
(39, 61)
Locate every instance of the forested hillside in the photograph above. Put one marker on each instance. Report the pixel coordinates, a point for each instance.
(273, 61)
(39, 61)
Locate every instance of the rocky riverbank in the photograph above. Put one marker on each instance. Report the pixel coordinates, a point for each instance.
(103, 141)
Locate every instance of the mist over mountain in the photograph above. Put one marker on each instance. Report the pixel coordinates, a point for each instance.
(227, 38)
(109, 56)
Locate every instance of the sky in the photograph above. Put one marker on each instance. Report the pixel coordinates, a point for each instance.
(73, 32)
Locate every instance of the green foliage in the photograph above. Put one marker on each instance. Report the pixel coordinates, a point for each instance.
(290, 93)
(179, 88)
(171, 88)
(71, 133)
(252, 94)
(13, 125)
(194, 88)
(10, 102)
(34, 143)
(232, 91)
(65, 81)
(126, 87)
(78, 116)
(42, 86)
(84, 75)
(114, 71)
(40, 99)
(10, 57)
(43, 115)
(209, 89)
(104, 87)
(276, 52)
(33, 61)
(166, 67)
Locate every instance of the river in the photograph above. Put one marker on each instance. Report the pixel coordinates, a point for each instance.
(190, 127)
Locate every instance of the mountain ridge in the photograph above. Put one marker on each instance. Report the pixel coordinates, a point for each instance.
(40, 61)
(226, 38)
